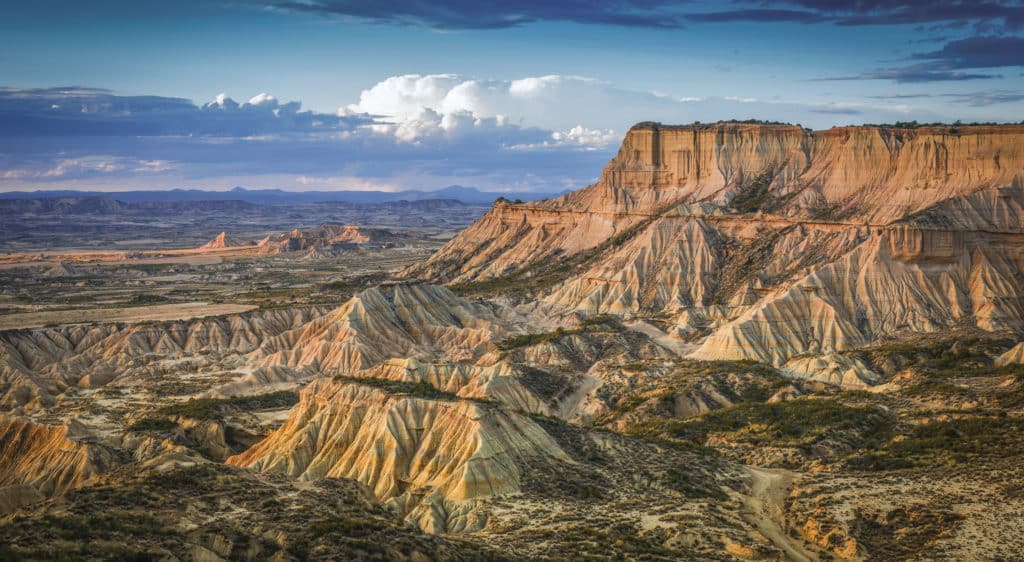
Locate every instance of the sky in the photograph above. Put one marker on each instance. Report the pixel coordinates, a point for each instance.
(525, 96)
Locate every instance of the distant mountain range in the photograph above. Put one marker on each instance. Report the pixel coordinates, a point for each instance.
(468, 195)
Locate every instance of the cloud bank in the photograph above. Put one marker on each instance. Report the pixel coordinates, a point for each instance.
(540, 133)
(667, 14)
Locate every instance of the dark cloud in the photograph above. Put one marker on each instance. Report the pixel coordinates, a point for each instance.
(74, 111)
(916, 74)
(929, 14)
(495, 14)
(977, 52)
(983, 99)
(954, 60)
(758, 15)
(992, 15)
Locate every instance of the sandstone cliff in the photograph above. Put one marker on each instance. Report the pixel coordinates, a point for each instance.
(769, 242)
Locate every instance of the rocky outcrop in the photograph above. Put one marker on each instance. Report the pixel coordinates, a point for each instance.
(222, 241)
(1013, 356)
(770, 242)
(394, 321)
(432, 459)
(851, 175)
(892, 281)
(48, 459)
(323, 238)
(38, 364)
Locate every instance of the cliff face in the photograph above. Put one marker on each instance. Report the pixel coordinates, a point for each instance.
(849, 175)
(767, 242)
(860, 173)
(45, 459)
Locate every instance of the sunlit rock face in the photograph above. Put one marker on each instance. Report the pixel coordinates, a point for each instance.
(39, 460)
(768, 242)
(321, 238)
(38, 364)
(1014, 356)
(433, 459)
(397, 321)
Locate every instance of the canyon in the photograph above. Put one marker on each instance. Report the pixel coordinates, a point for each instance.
(744, 341)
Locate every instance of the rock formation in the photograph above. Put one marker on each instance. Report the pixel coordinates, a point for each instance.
(222, 241)
(1014, 356)
(396, 321)
(49, 460)
(769, 242)
(431, 458)
(38, 364)
(321, 239)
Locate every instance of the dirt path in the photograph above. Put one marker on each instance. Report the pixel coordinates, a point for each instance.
(661, 338)
(765, 509)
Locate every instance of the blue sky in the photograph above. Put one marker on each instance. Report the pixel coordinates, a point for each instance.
(338, 94)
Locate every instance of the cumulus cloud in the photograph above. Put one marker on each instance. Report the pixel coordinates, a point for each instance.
(411, 131)
(561, 103)
(49, 137)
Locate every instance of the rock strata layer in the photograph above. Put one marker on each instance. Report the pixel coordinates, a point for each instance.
(769, 242)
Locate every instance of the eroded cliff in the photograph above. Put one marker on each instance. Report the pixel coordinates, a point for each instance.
(768, 242)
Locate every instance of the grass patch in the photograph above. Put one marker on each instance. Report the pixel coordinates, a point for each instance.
(794, 423)
(527, 340)
(217, 408)
(952, 442)
(418, 389)
(156, 425)
(941, 357)
(754, 196)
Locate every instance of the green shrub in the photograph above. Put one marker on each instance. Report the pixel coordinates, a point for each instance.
(153, 424)
(216, 408)
(418, 389)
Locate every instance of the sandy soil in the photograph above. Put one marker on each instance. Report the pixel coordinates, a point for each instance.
(160, 312)
(765, 509)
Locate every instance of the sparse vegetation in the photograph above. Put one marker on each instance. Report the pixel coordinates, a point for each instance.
(803, 424)
(217, 408)
(420, 389)
(156, 425)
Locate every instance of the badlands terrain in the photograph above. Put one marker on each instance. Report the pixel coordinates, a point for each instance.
(744, 341)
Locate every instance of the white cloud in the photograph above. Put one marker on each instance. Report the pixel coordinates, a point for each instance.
(411, 131)
(578, 137)
(263, 99)
(88, 166)
(560, 103)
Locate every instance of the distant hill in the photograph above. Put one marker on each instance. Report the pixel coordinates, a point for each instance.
(468, 195)
(105, 205)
